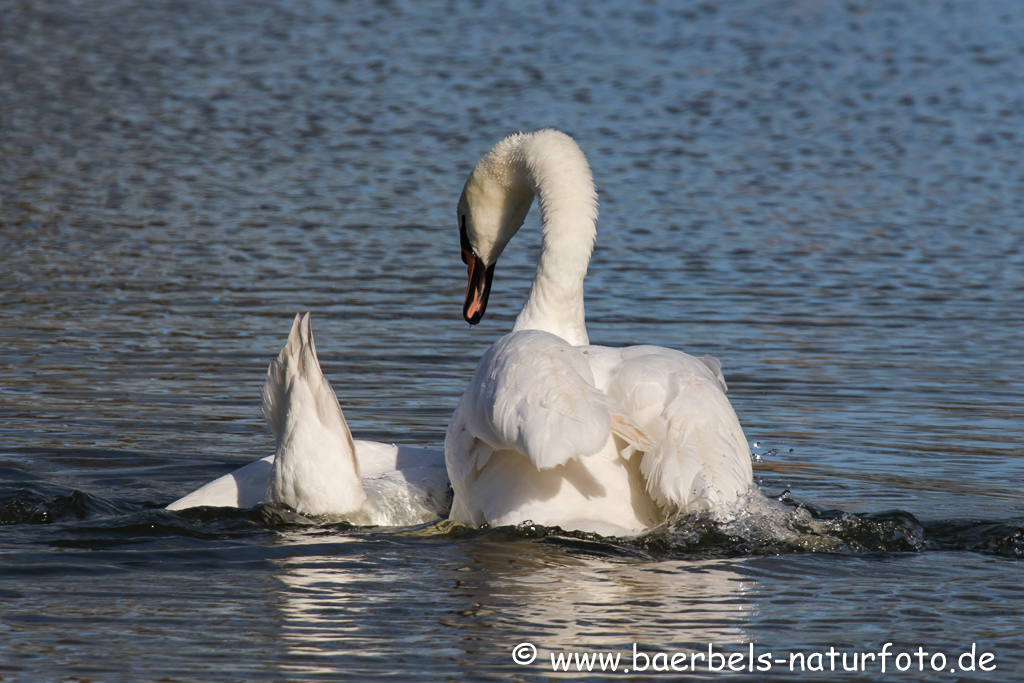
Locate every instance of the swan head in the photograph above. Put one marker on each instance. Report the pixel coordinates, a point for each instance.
(493, 206)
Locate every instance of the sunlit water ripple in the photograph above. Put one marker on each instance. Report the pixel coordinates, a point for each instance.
(826, 196)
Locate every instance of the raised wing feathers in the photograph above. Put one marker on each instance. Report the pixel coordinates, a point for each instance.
(700, 457)
(534, 392)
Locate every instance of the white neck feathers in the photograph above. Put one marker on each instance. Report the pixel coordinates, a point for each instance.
(554, 168)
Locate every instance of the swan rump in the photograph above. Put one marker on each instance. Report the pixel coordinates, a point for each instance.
(317, 468)
(557, 431)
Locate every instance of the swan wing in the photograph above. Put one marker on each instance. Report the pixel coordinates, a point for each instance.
(534, 393)
(411, 481)
(404, 484)
(700, 459)
(243, 488)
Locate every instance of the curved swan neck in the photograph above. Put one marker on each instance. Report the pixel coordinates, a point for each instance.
(557, 172)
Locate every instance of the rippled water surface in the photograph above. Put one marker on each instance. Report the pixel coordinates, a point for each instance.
(826, 196)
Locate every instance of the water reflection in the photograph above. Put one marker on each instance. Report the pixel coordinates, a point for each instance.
(826, 196)
(473, 602)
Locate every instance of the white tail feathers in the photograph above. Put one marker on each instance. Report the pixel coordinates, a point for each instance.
(274, 389)
(315, 470)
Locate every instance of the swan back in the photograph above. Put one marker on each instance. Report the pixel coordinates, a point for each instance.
(315, 470)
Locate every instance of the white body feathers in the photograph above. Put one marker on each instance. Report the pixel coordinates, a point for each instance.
(558, 432)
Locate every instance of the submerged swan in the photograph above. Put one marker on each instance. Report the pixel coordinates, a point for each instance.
(552, 429)
(317, 468)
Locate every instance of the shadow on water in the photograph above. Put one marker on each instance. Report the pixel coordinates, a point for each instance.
(766, 526)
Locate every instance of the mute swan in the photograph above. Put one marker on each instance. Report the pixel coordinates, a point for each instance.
(552, 429)
(318, 469)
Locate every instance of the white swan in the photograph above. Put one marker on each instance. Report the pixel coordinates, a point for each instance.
(318, 469)
(556, 431)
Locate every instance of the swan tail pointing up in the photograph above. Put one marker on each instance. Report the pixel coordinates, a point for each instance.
(315, 469)
(291, 364)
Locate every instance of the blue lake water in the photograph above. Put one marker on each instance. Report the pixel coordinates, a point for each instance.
(828, 197)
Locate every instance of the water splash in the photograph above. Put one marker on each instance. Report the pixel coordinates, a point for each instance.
(759, 526)
(766, 526)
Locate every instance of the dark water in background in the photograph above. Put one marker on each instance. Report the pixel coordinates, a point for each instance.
(826, 196)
